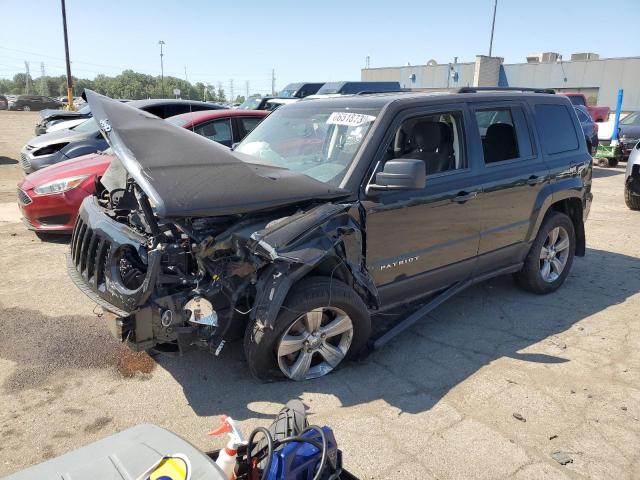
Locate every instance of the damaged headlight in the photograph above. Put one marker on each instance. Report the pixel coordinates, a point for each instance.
(59, 186)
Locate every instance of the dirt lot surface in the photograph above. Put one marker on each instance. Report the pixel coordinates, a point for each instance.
(490, 385)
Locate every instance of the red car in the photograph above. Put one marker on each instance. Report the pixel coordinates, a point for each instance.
(49, 199)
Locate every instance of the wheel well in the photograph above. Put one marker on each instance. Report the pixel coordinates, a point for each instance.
(332, 267)
(572, 207)
(336, 268)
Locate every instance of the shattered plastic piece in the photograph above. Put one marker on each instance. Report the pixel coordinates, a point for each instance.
(517, 416)
(553, 437)
(562, 458)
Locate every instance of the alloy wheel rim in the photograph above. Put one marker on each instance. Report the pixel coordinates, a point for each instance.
(554, 254)
(315, 343)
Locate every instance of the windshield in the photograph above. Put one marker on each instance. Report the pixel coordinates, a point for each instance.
(289, 91)
(318, 142)
(250, 103)
(88, 126)
(631, 119)
(330, 87)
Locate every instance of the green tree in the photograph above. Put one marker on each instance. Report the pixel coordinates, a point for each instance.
(239, 99)
(221, 97)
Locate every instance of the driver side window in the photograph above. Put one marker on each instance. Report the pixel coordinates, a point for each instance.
(435, 139)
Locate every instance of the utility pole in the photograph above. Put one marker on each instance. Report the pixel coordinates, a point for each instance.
(44, 88)
(273, 81)
(367, 61)
(161, 43)
(27, 81)
(493, 24)
(66, 54)
(246, 88)
(232, 98)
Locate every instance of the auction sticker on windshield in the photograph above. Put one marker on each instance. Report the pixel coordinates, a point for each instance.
(349, 118)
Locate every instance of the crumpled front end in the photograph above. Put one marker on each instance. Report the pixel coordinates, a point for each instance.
(185, 257)
(200, 280)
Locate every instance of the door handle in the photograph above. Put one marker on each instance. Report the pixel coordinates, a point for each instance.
(464, 197)
(534, 180)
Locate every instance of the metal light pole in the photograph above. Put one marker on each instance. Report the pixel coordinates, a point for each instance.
(161, 43)
(66, 53)
(493, 24)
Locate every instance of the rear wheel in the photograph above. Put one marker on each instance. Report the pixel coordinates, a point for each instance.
(322, 324)
(550, 257)
(632, 201)
(26, 108)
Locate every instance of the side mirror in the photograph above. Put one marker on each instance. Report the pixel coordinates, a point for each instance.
(401, 174)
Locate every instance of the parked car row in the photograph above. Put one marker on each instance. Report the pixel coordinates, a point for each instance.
(50, 197)
(31, 102)
(297, 91)
(85, 137)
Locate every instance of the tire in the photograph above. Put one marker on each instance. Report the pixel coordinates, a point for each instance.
(330, 300)
(532, 276)
(612, 162)
(26, 108)
(632, 201)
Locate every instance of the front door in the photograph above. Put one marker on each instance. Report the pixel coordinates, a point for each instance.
(419, 241)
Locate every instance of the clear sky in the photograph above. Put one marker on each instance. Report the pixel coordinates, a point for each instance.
(302, 40)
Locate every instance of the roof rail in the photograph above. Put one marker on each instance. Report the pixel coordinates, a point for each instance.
(505, 89)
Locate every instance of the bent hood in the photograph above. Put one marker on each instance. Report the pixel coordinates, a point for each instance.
(184, 174)
(51, 114)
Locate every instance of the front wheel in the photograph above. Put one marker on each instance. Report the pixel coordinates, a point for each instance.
(632, 201)
(549, 260)
(26, 108)
(322, 323)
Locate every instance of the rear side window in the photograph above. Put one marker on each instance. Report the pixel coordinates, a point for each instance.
(583, 117)
(504, 134)
(557, 130)
(248, 124)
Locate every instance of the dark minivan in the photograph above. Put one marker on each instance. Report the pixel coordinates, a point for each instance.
(346, 88)
(299, 90)
(328, 212)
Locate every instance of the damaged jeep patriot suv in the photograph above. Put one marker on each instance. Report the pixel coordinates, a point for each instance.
(329, 211)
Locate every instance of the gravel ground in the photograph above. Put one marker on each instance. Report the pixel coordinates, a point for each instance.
(490, 385)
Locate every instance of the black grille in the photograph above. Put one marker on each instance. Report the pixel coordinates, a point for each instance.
(25, 163)
(89, 253)
(23, 198)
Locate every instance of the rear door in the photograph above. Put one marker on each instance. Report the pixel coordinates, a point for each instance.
(512, 177)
